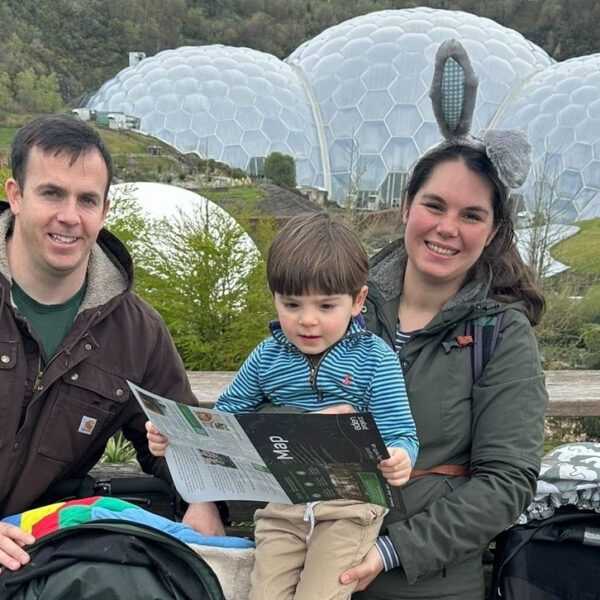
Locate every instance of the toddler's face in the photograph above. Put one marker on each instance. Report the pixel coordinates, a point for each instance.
(314, 322)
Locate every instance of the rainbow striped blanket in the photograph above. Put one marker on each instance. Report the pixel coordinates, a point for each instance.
(47, 519)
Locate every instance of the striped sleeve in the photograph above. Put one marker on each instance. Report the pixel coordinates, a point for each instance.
(388, 553)
(244, 393)
(389, 404)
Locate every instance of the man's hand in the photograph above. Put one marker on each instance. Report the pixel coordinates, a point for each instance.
(157, 442)
(396, 469)
(204, 518)
(12, 540)
(365, 572)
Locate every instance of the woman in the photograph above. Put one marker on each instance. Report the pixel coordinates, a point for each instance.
(457, 261)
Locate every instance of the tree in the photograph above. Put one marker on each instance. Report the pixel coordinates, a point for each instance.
(547, 210)
(35, 93)
(203, 275)
(280, 169)
(7, 100)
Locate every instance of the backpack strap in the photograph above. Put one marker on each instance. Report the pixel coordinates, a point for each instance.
(484, 331)
(482, 335)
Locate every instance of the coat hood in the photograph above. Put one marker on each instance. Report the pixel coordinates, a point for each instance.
(471, 301)
(110, 268)
(387, 275)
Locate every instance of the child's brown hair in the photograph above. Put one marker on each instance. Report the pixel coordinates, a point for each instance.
(317, 254)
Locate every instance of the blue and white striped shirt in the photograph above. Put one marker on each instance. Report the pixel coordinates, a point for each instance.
(360, 370)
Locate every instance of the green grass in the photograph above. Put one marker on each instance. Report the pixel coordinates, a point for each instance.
(125, 142)
(244, 193)
(582, 251)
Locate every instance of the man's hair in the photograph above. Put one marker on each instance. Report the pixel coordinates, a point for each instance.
(317, 254)
(57, 134)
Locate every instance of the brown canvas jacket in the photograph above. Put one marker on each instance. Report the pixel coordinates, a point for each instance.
(55, 419)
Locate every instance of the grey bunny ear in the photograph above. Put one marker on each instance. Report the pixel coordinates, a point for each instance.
(453, 90)
(510, 153)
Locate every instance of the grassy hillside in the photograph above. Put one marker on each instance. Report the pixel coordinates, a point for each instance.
(582, 251)
(134, 161)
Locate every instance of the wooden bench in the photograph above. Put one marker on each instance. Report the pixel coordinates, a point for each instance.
(572, 393)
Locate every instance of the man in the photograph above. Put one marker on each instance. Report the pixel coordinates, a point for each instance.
(71, 329)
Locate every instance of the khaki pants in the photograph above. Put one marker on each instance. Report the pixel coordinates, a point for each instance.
(290, 567)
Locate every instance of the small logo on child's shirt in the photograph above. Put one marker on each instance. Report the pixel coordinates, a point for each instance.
(87, 425)
(347, 380)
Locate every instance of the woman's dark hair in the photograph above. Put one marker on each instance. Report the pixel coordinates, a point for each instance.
(512, 279)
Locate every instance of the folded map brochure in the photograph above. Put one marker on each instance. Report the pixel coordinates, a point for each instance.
(270, 457)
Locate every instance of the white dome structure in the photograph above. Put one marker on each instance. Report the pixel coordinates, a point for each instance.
(161, 201)
(229, 104)
(370, 77)
(351, 105)
(559, 109)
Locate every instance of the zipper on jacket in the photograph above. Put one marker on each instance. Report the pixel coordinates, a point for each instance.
(40, 374)
(314, 368)
(312, 378)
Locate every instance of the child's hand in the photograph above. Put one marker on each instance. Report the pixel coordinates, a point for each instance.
(396, 469)
(157, 442)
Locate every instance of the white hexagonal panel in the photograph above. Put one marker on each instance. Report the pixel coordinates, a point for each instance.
(392, 51)
(559, 110)
(192, 97)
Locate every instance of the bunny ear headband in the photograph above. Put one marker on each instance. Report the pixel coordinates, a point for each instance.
(453, 92)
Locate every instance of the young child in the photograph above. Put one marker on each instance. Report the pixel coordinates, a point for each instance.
(318, 357)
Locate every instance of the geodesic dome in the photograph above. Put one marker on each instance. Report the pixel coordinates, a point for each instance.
(371, 75)
(559, 109)
(230, 104)
(351, 104)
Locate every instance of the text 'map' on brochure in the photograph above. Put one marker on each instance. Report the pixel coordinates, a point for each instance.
(270, 457)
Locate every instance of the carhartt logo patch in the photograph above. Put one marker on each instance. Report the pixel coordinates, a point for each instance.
(87, 425)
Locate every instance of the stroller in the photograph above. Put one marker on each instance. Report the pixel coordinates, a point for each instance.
(553, 552)
(101, 547)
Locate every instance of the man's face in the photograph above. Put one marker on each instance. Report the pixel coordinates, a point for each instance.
(58, 213)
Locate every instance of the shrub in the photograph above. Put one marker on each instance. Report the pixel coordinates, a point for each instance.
(280, 169)
(118, 450)
(591, 341)
(559, 333)
(203, 275)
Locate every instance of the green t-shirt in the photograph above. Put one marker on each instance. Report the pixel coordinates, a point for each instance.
(51, 322)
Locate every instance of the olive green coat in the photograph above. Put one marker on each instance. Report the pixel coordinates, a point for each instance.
(494, 426)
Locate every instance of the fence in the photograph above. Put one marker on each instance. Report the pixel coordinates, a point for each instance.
(572, 393)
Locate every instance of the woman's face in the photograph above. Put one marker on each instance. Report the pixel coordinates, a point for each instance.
(448, 224)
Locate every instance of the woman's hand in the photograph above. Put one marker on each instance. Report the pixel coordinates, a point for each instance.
(157, 442)
(364, 572)
(338, 409)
